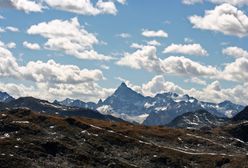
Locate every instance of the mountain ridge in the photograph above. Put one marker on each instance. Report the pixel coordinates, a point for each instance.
(127, 104)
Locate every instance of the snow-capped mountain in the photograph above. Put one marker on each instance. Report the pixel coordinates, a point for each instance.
(5, 97)
(77, 103)
(161, 109)
(126, 101)
(176, 105)
(197, 120)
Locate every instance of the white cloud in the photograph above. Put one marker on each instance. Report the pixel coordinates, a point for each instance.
(224, 18)
(154, 43)
(235, 52)
(122, 1)
(106, 7)
(156, 85)
(151, 33)
(50, 80)
(104, 67)
(188, 40)
(196, 81)
(53, 72)
(124, 35)
(8, 64)
(237, 70)
(188, 49)
(136, 46)
(159, 85)
(2, 30)
(45, 72)
(27, 5)
(12, 29)
(191, 2)
(8, 45)
(143, 58)
(85, 91)
(11, 45)
(1, 17)
(84, 7)
(233, 2)
(70, 37)
(146, 58)
(31, 46)
(186, 67)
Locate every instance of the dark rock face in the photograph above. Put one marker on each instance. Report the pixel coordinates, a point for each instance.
(5, 97)
(240, 132)
(243, 115)
(125, 100)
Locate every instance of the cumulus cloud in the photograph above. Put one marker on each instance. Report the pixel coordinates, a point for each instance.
(106, 7)
(196, 81)
(70, 37)
(152, 33)
(124, 35)
(237, 70)
(188, 40)
(235, 52)
(188, 49)
(1, 17)
(11, 45)
(85, 91)
(2, 30)
(191, 2)
(233, 2)
(12, 29)
(8, 64)
(146, 58)
(8, 45)
(158, 84)
(31, 46)
(50, 79)
(45, 72)
(143, 58)
(136, 45)
(27, 5)
(84, 7)
(225, 18)
(122, 1)
(186, 67)
(154, 43)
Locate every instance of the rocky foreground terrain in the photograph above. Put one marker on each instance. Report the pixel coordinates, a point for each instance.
(29, 139)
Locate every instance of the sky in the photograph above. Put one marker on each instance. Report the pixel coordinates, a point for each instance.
(84, 49)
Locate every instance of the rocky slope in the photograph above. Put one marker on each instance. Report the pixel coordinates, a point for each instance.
(44, 106)
(243, 115)
(197, 120)
(5, 97)
(35, 140)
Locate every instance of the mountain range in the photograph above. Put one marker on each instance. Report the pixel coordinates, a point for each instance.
(161, 109)
(126, 104)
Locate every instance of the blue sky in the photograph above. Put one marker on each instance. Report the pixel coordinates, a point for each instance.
(83, 49)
